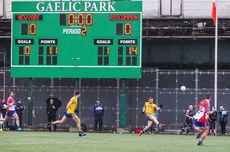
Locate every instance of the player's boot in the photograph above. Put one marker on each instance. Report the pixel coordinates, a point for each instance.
(200, 143)
(81, 133)
(19, 129)
(141, 132)
(162, 125)
(48, 125)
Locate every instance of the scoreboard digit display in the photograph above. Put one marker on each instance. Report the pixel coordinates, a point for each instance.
(76, 39)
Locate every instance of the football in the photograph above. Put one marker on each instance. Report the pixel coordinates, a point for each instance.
(182, 88)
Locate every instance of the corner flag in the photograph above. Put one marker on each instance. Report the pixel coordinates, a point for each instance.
(214, 12)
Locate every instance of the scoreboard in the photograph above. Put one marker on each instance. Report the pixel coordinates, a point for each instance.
(76, 39)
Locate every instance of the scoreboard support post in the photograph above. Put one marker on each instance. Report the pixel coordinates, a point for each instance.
(77, 87)
(30, 101)
(123, 104)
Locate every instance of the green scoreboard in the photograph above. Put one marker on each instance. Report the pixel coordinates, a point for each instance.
(76, 39)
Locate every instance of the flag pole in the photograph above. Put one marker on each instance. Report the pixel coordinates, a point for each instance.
(216, 59)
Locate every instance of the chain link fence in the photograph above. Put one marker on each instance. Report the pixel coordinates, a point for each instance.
(163, 85)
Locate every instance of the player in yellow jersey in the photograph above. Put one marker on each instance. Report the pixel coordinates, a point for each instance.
(69, 113)
(149, 110)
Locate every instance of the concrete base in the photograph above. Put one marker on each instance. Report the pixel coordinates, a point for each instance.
(123, 130)
(73, 129)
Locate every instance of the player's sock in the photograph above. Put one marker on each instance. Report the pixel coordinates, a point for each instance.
(198, 136)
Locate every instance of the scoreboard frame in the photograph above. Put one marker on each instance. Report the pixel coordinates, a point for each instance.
(24, 70)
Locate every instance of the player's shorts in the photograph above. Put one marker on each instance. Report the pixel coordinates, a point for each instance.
(10, 113)
(67, 115)
(147, 116)
(200, 124)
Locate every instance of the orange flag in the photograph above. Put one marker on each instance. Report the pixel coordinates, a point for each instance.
(214, 12)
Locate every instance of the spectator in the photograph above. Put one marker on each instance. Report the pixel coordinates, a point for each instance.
(19, 110)
(189, 120)
(212, 121)
(51, 113)
(98, 112)
(1, 122)
(223, 115)
(3, 112)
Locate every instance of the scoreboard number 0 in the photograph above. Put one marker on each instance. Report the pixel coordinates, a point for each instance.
(89, 19)
(71, 19)
(128, 29)
(27, 50)
(80, 19)
(32, 29)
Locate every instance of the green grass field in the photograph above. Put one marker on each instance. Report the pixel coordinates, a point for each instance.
(11, 141)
